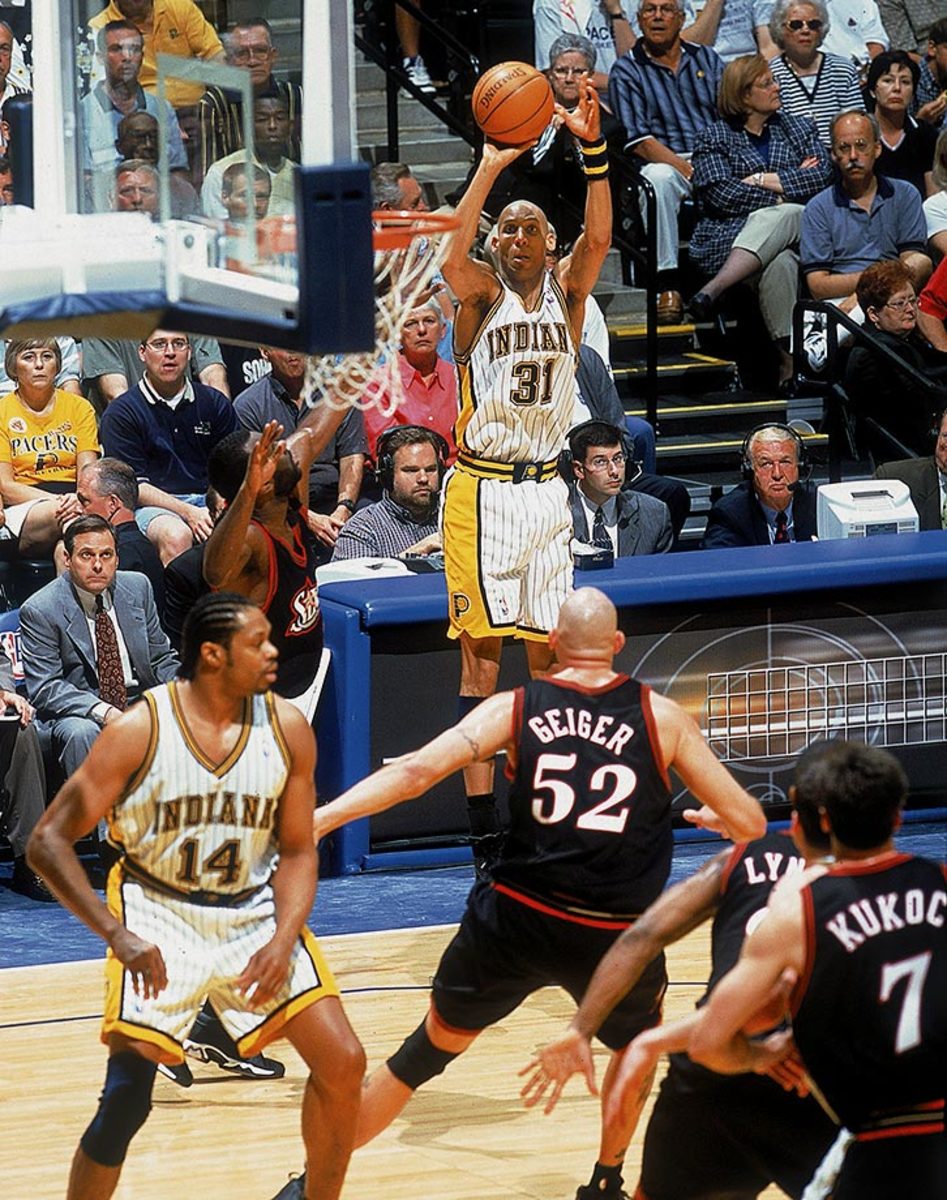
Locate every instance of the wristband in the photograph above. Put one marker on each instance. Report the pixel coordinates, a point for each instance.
(594, 159)
(619, 16)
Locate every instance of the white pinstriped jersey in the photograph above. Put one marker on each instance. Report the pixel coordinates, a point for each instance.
(517, 380)
(191, 825)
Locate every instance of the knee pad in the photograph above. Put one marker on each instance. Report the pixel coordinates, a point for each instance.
(418, 1059)
(123, 1108)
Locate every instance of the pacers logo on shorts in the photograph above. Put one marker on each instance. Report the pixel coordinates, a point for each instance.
(460, 604)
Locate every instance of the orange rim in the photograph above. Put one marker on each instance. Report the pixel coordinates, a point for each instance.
(396, 230)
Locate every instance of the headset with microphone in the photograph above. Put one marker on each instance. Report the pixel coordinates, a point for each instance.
(802, 454)
(633, 467)
(391, 440)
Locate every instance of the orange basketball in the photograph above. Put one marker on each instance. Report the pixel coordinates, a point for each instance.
(512, 103)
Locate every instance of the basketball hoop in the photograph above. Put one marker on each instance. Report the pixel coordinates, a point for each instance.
(409, 249)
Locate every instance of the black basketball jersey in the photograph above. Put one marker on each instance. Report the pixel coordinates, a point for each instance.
(292, 606)
(870, 1018)
(590, 803)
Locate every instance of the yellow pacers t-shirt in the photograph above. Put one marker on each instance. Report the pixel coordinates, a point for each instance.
(44, 449)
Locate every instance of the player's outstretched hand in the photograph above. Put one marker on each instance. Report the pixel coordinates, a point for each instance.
(497, 156)
(142, 960)
(266, 453)
(585, 120)
(553, 1066)
(634, 1076)
(264, 974)
(705, 818)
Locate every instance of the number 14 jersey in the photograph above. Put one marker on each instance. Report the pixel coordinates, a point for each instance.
(590, 802)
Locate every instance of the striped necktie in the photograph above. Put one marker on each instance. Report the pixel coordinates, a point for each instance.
(600, 536)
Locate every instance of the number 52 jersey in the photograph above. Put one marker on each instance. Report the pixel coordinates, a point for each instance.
(590, 801)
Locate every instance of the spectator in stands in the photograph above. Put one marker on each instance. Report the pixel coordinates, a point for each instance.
(772, 505)
(550, 175)
(932, 86)
(175, 27)
(335, 474)
(877, 388)
(108, 488)
(411, 462)
(249, 45)
(855, 222)
(138, 141)
(602, 24)
(395, 187)
(665, 93)
(135, 188)
(408, 29)
(67, 377)
(91, 642)
(856, 32)
(164, 428)
(604, 512)
(6, 181)
(932, 308)
(110, 366)
(271, 134)
(909, 23)
(753, 172)
(733, 30)
(119, 94)
(429, 382)
(8, 86)
(23, 780)
(927, 479)
(812, 83)
(237, 191)
(907, 146)
(184, 582)
(46, 437)
(935, 206)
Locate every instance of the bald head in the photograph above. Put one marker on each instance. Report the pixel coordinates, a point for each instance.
(519, 244)
(587, 629)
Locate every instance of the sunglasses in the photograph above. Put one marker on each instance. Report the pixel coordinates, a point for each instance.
(815, 25)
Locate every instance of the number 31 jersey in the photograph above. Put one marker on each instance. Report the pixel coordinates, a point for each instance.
(187, 824)
(590, 802)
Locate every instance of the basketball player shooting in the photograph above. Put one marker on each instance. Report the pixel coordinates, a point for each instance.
(204, 784)
(506, 518)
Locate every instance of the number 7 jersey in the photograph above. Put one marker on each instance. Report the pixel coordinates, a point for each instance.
(188, 825)
(590, 801)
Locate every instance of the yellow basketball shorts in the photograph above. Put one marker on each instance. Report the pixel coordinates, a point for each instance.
(507, 554)
(205, 949)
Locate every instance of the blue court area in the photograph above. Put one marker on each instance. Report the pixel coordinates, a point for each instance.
(32, 934)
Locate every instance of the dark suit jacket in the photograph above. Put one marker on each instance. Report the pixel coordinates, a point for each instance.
(737, 519)
(920, 474)
(644, 524)
(58, 655)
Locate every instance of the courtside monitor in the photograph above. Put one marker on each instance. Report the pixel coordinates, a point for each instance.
(866, 509)
(214, 189)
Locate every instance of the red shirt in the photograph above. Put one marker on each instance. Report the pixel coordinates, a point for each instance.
(432, 405)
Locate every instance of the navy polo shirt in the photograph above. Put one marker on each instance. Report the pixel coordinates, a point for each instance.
(839, 236)
(168, 447)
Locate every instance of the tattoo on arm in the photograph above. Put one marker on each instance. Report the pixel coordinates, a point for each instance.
(472, 743)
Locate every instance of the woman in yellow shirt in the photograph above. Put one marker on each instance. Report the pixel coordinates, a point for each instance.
(46, 437)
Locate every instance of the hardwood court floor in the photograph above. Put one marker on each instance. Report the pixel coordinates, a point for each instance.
(465, 1136)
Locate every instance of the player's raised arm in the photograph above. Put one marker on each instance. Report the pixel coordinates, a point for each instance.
(672, 916)
(82, 801)
(579, 272)
(685, 749)
(478, 736)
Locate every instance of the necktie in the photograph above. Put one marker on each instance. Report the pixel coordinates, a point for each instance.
(782, 533)
(943, 515)
(108, 660)
(600, 536)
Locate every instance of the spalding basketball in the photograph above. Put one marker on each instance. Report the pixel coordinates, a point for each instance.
(512, 103)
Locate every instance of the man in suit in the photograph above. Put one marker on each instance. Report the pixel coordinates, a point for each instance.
(91, 642)
(772, 505)
(927, 479)
(603, 514)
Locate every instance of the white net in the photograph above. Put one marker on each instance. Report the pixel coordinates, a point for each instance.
(409, 250)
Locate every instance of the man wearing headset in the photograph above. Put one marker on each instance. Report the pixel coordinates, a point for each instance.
(411, 460)
(773, 505)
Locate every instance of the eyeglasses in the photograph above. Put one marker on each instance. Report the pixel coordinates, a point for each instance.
(861, 146)
(244, 53)
(901, 305)
(658, 10)
(568, 72)
(601, 463)
(163, 344)
(795, 25)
